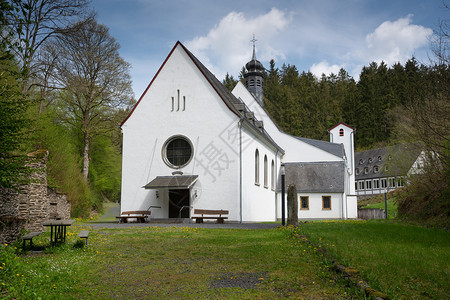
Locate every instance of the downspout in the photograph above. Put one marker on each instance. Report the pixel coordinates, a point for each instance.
(352, 169)
(240, 170)
(276, 180)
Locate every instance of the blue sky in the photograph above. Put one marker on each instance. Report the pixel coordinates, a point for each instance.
(316, 35)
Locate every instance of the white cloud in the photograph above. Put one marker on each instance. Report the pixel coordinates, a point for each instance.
(228, 45)
(324, 68)
(396, 41)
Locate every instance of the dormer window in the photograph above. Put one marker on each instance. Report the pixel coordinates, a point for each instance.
(357, 171)
(370, 160)
(341, 132)
(361, 161)
(379, 158)
(375, 169)
(366, 170)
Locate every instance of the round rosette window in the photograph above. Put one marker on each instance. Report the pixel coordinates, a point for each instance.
(177, 152)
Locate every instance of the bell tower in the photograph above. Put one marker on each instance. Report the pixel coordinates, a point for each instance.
(254, 76)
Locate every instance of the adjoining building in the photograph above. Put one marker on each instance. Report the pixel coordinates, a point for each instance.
(189, 143)
(386, 169)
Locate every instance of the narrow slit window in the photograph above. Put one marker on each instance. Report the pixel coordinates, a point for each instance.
(266, 175)
(173, 104)
(257, 167)
(178, 100)
(272, 170)
(184, 103)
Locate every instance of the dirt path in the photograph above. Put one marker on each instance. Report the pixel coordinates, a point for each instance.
(111, 211)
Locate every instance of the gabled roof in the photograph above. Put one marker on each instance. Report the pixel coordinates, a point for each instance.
(387, 161)
(310, 177)
(234, 104)
(342, 123)
(332, 148)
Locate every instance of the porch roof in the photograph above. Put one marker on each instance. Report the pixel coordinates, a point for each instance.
(171, 182)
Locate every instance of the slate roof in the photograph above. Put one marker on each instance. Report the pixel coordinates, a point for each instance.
(179, 181)
(315, 177)
(395, 160)
(333, 148)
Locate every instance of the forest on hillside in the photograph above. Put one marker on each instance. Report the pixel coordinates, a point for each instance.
(376, 105)
(65, 88)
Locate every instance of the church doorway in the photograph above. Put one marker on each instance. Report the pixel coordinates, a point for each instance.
(179, 203)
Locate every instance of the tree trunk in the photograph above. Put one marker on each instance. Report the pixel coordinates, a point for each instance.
(86, 156)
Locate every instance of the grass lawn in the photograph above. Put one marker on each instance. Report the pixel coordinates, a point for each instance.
(170, 262)
(404, 261)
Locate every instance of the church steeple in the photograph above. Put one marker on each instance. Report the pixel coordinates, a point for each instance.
(254, 76)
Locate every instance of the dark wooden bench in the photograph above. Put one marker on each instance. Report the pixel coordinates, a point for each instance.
(29, 237)
(217, 214)
(140, 215)
(84, 234)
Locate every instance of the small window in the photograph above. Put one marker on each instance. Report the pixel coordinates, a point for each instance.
(361, 185)
(386, 168)
(326, 202)
(304, 203)
(361, 161)
(370, 160)
(366, 170)
(384, 183)
(357, 171)
(375, 169)
(379, 158)
(341, 132)
(368, 184)
(257, 167)
(389, 157)
(376, 183)
(392, 182)
(356, 186)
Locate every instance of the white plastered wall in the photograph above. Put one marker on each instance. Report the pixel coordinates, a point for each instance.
(205, 120)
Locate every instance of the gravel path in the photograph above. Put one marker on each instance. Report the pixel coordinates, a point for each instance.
(114, 210)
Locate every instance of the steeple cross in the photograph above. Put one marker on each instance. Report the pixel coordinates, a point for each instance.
(254, 42)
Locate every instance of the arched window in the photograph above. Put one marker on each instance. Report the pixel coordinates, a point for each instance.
(341, 132)
(266, 172)
(272, 177)
(256, 166)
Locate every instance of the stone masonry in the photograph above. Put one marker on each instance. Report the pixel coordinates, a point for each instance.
(35, 203)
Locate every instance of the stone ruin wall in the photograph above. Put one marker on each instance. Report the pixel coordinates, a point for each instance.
(34, 204)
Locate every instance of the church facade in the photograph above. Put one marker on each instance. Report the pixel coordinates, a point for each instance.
(190, 144)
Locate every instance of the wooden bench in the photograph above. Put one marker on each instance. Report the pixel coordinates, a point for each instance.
(29, 237)
(210, 214)
(140, 215)
(84, 234)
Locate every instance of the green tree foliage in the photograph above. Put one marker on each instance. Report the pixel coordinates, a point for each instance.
(304, 105)
(13, 107)
(13, 122)
(64, 164)
(229, 82)
(94, 80)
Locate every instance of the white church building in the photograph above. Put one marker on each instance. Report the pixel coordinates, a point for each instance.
(190, 144)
